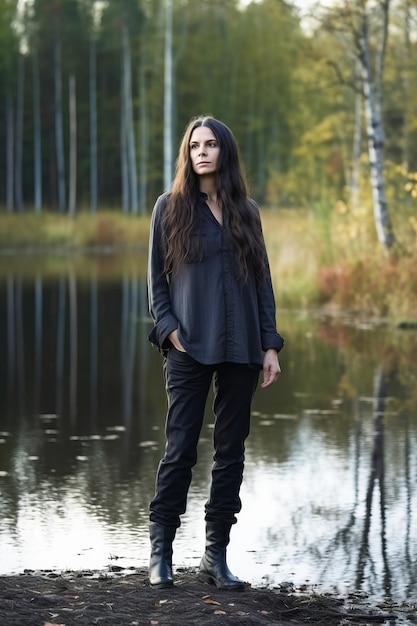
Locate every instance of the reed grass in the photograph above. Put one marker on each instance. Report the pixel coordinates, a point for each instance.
(52, 231)
(338, 264)
(333, 262)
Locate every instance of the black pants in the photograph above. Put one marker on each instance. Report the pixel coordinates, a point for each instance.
(187, 384)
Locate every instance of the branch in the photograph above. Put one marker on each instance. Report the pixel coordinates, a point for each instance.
(385, 6)
(352, 82)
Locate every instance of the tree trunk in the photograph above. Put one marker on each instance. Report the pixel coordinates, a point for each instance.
(73, 146)
(374, 124)
(143, 138)
(10, 153)
(408, 103)
(123, 152)
(19, 133)
(93, 123)
(129, 125)
(59, 133)
(37, 137)
(168, 97)
(357, 148)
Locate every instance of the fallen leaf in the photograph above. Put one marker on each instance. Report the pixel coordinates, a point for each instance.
(210, 601)
(52, 624)
(219, 612)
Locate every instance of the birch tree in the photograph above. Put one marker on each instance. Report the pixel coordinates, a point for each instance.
(32, 37)
(357, 146)
(127, 118)
(168, 96)
(351, 24)
(9, 153)
(91, 14)
(405, 23)
(8, 55)
(92, 82)
(59, 122)
(18, 178)
(37, 131)
(73, 146)
(144, 132)
(375, 125)
(124, 164)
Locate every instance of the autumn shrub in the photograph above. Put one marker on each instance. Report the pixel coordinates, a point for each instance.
(375, 285)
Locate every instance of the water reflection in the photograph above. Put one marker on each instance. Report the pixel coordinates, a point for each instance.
(330, 483)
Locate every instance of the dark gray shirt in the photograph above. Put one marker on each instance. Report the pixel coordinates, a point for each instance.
(218, 317)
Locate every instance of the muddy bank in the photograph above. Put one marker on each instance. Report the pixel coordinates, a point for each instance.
(120, 597)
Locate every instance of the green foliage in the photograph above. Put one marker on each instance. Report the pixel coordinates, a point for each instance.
(274, 83)
(231, 62)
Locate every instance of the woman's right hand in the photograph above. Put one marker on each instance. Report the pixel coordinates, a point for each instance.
(173, 337)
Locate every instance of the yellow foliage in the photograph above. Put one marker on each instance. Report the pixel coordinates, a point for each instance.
(411, 185)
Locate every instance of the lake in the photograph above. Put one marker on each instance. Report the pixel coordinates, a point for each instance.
(329, 493)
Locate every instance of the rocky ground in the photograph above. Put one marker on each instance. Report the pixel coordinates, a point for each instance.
(120, 597)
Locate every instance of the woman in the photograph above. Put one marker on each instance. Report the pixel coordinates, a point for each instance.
(212, 303)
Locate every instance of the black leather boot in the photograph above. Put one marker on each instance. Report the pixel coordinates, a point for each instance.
(160, 564)
(213, 566)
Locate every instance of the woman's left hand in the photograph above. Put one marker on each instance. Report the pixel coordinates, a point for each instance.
(271, 368)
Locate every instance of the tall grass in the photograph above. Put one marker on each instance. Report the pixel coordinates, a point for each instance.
(296, 244)
(105, 229)
(337, 263)
(332, 261)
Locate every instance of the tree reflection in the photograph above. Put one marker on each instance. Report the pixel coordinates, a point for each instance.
(15, 341)
(76, 362)
(38, 343)
(81, 341)
(73, 368)
(60, 345)
(93, 349)
(128, 343)
(376, 478)
(11, 335)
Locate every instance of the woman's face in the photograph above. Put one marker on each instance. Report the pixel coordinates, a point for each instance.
(204, 151)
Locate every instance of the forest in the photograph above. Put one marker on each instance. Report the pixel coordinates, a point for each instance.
(95, 95)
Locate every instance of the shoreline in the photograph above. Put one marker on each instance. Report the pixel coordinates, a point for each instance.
(119, 597)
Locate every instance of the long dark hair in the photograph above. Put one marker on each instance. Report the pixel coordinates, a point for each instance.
(240, 215)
